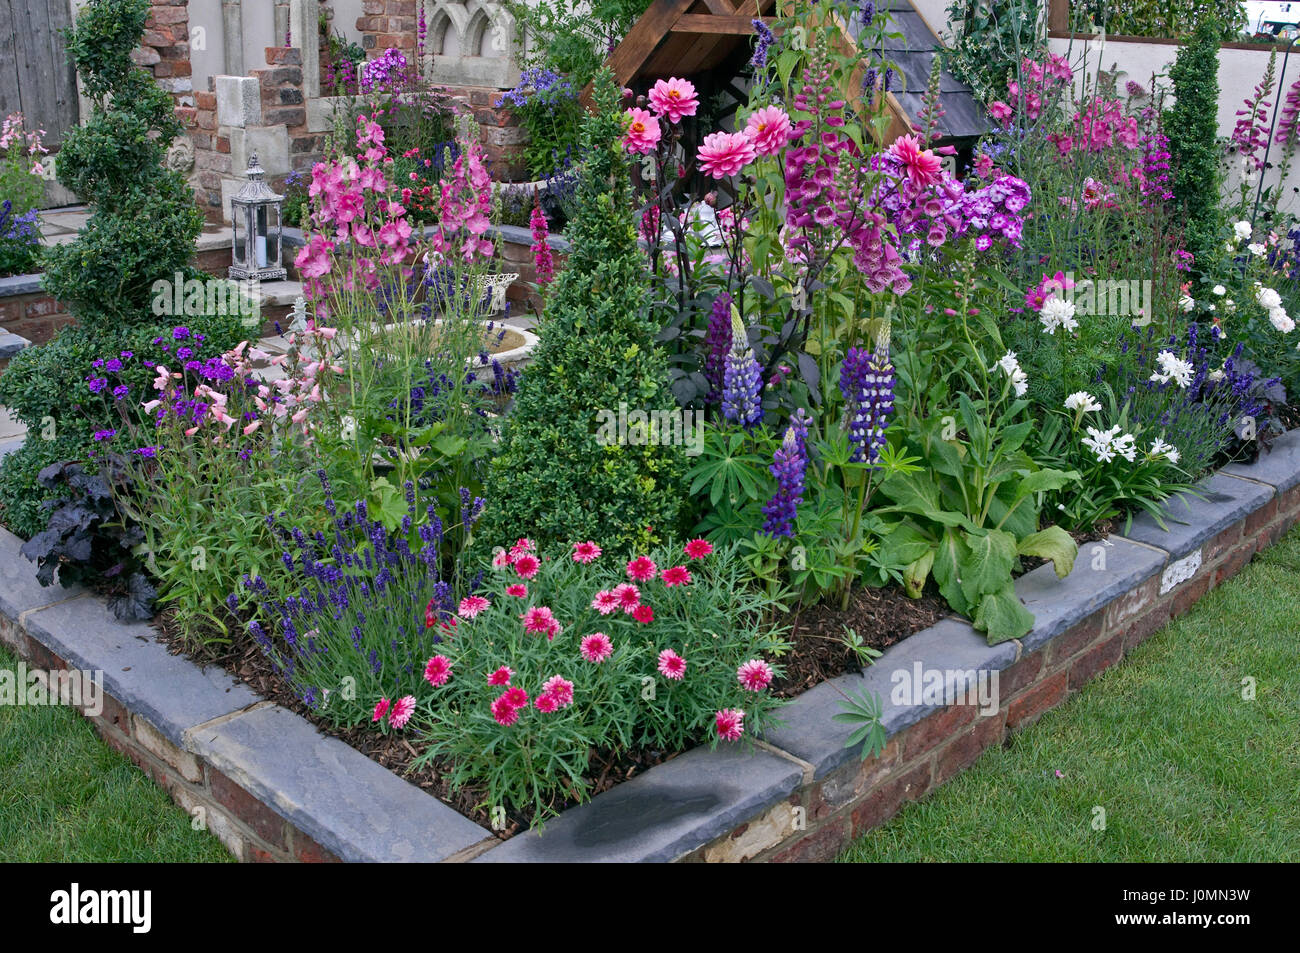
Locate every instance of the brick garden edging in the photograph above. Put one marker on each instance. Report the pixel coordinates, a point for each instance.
(273, 788)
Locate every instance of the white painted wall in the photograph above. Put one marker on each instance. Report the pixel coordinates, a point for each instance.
(345, 17)
(207, 41)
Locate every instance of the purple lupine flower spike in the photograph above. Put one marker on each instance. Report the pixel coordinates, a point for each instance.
(718, 342)
(789, 466)
(742, 379)
(867, 383)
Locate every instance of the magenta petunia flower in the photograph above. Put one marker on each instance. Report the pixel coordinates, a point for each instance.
(770, 129)
(526, 566)
(381, 709)
(643, 614)
(605, 602)
(628, 595)
(672, 665)
(585, 552)
(518, 590)
(754, 675)
(724, 154)
(674, 98)
(501, 676)
(676, 576)
(698, 549)
(471, 606)
(560, 688)
(642, 133)
(730, 723)
(402, 711)
(641, 569)
(438, 670)
(597, 647)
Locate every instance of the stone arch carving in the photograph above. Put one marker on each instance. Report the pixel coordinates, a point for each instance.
(473, 43)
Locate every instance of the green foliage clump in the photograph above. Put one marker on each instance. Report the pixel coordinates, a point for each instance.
(555, 477)
(1192, 127)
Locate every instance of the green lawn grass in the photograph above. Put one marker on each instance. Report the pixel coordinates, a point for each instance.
(1184, 768)
(67, 796)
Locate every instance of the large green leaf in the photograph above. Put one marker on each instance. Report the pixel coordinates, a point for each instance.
(1045, 479)
(915, 493)
(917, 572)
(904, 544)
(989, 558)
(1002, 616)
(948, 559)
(1052, 543)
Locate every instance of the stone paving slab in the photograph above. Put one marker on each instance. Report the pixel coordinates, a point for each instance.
(663, 814)
(19, 590)
(1278, 467)
(347, 803)
(1192, 519)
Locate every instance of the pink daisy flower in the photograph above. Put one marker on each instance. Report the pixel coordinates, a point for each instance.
(505, 713)
(606, 602)
(628, 596)
(585, 552)
(923, 166)
(501, 676)
(674, 98)
(526, 566)
(518, 589)
(402, 711)
(438, 670)
(643, 132)
(672, 665)
(521, 546)
(731, 724)
(597, 647)
(643, 614)
(501, 560)
(381, 709)
(676, 576)
(559, 688)
(641, 569)
(698, 549)
(754, 675)
(471, 606)
(516, 697)
(547, 704)
(724, 154)
(770, 129)
(540, 619)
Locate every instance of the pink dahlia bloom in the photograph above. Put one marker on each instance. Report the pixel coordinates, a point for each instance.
(628, 595)
(402, 711)
(642, 133)
(559, 688)
(923, 166)
(674, 98)
(605, 602)
(585, 552)
(731, 724)
(641, 569)
(698, 549)
(770, 130)
(501, 676)
(672, 665)
(597, 647)
(518, 590)
(724, 154)
(643, 614)
(471, 606)
(676, 576)
(381, 709)
(754, 675)
(438, 670)
(526, 566)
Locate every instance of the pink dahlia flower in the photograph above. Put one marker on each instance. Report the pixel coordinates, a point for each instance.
(641, 569)
(547, 703)
(505, 713)
(628, 595)
(597, 647)
(754, 675)
(471, 606)
(438, 670)
(674, 98)
(402, 711)
(527, 565)
(642, 133)
(516, 698)
(731, 724)
(585, 552)
(724, 154)
(540, 619)
(923, 166)
(676, 576)
(672, 665)
(770, 130)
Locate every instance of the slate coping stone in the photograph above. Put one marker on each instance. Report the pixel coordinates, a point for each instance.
(19, 590)
(1279, 466)
(810, 734)
(1192, 519)
(1058, 604)
(172, 692)
(11, 344)
(663, 814)
(352, 806)
(20, 284)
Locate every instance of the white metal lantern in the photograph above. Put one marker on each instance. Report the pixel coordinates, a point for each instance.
(255, 216)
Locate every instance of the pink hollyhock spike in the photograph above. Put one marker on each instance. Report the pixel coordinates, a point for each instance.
(674, 98)
(730, 724)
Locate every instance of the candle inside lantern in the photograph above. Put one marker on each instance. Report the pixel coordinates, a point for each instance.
(261, 251)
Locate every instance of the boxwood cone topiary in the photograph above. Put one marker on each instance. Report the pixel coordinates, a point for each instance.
(557, 477)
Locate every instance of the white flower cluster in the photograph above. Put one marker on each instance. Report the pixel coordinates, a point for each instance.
(1174, 368)
(1271, 301)
(1082, 401)
(1162, 449)
(1011, 367)
(1107, 444)
(1057, 313)
(1241, 230)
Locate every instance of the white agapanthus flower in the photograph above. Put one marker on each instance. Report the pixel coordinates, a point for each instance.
(1011, 367)
(1216, 376)
(1267, 298)
(1126, 446)
(1107, 444)
(1161, 449)
(1174, 368)
(1255, 248)
(1082, 400)
(1242, 230)
(1057, 313)
(1281, 320)
(1219, 290)
(1187, 302)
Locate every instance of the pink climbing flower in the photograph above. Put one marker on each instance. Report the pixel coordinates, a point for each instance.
(730, 723)
(641, 569)
(597, 647)
(724, 154)
(438, 670)
(642, 133)
(402, 711)
(676, 576)
(755, 675)
(770, 130)
(501, 676)
(585, 552)
(471, 606)
(674, 98)
(606, 602)
(672, 665)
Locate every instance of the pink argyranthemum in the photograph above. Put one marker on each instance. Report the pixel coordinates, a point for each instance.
(643, 614)
(527, 565)
(642, 134)
(501, 560)
(698, 549)
(597, 647)
(585, 552)
(518, 590)
(672, 665)
(674, 98)
(471, 606)
(723, 154)
(641, 569)
(438, 670)
(754, 675)
(381, 709)
(402, 711)
(770, 129)
(605, 602)
(505, 713)
(521, 546)
(730, 723)
(501, 676)
(540, 619)
(628, 595)
(676, 576)
(547, 704)
(560, 688)
(923, 166)
(516, 698)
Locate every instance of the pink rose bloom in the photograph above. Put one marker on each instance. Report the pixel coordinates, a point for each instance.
(724, 154)
(923, 166)
(770, 130)
(674, 98)
(642, 132)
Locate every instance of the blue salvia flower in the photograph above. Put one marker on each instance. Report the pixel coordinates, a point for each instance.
(867, 384)
(789, 465)
(866, 12)
(742, 379)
